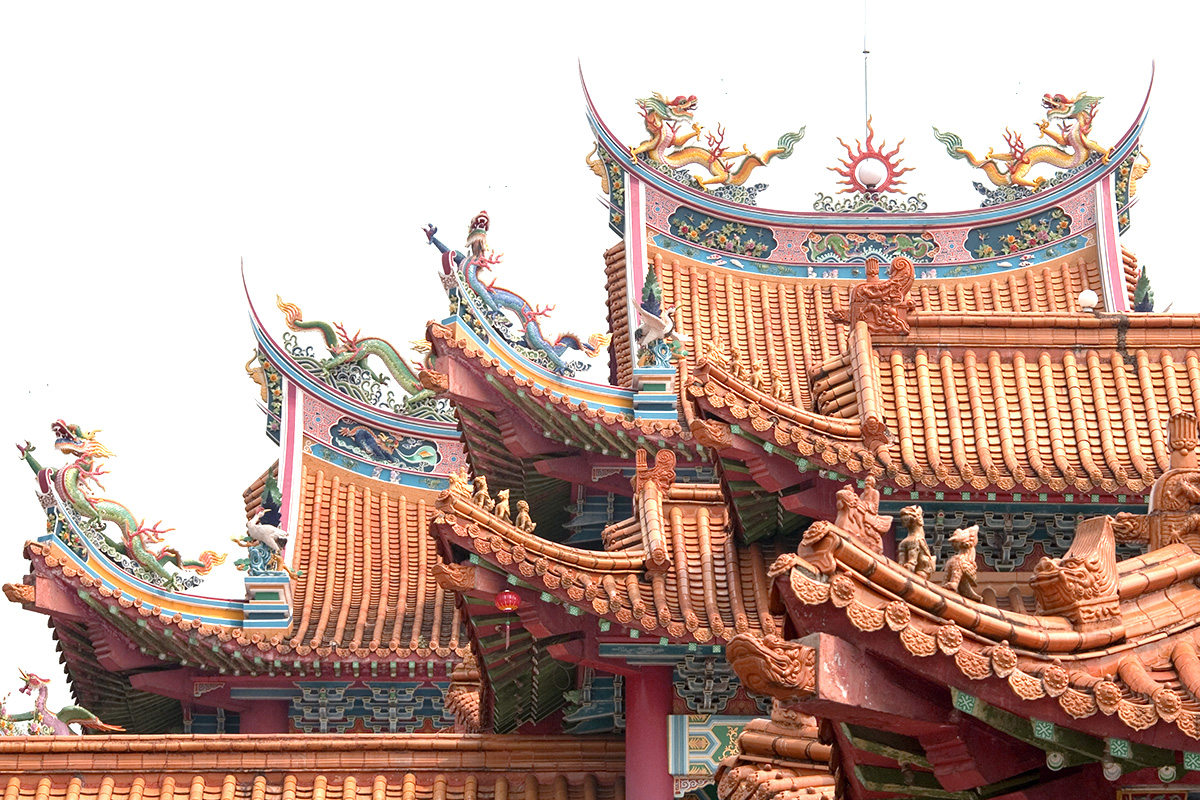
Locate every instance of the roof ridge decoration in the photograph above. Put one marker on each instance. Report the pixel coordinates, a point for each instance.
(44, 722)
(869, 174)
(883, 305)
(1072, 149)
(665, 150)
(1172, 514)
(346, 369)
(68, 492)
(487, 307)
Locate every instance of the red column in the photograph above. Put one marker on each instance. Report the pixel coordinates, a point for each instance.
(647, 708)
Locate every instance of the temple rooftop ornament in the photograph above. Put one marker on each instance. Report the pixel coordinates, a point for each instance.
(870, 174)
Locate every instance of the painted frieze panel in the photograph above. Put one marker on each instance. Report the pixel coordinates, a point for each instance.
(697, 227)
(856, 248)
(1022, 235)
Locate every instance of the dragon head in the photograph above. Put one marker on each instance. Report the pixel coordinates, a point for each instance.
(32, 682)
(75, 441)
(681, 108)
(1059, 106)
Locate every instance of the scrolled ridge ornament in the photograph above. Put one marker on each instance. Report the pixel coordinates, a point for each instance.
(771, 666)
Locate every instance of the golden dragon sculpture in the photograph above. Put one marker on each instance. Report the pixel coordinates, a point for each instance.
(1072, 145)
(663, 118)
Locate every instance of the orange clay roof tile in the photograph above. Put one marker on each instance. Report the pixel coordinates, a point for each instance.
(366, 559)
(706, 587)
(360, 767)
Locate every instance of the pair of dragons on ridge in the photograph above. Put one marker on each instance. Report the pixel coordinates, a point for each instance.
(1072, 143)
(74, 485)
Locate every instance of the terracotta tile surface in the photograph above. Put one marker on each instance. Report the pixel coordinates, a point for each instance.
(366, 556)
(675, 569)
(403, 767)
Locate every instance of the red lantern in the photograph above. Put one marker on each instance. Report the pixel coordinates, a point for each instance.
(508, 602)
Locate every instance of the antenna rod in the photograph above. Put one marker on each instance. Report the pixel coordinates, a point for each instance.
(866, 94)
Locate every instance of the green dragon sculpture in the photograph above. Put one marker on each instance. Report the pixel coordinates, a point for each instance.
(73, 484)
(346, 349)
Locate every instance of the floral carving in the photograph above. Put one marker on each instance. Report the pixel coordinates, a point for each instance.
(1025, 685)
(973, 665)
(1004, 659)
(919, 644)
(1055, 679)
(1108, 696)
(771, 666)
(949, 639)
(841, 590)
(1078, 704)
(898, 615)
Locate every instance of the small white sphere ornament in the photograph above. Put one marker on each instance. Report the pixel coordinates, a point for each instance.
(871, 172)
(1088, 300)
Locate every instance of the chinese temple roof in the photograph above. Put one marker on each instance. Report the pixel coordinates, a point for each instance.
(403, 766)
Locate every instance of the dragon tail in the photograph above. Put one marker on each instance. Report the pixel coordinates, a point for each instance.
(294, 318)
(208, 560)
(785, 145)
(592, 347)
(952, 141)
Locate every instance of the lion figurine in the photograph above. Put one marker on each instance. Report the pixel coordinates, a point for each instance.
(960, 567)
(913, 551)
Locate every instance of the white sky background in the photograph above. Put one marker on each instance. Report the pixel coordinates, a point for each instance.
(146, 148)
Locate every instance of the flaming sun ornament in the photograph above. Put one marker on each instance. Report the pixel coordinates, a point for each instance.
(870, 170)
